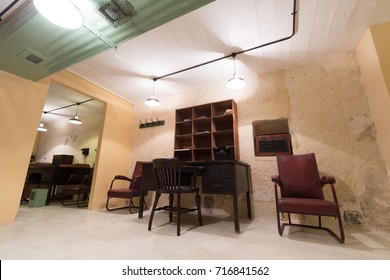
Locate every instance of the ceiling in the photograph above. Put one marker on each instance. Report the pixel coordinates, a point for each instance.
(218, 29)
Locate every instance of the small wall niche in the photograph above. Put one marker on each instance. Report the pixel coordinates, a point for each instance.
(271, 137)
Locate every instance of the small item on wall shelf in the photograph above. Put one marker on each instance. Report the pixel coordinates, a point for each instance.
(228, 112)
(151, 123)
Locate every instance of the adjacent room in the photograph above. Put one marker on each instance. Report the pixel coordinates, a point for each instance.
(261, 127)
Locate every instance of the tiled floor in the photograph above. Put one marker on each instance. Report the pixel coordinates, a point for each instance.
(58, 232)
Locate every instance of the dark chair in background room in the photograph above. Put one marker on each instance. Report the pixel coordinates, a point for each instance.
(79, 185)
(301, 192)
(123, 187)
(169, 175)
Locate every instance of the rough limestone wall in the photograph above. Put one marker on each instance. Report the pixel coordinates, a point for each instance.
(328, 114)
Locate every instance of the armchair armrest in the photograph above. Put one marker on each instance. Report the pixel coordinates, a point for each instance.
(122, 177)
(275, 178)
(327, 180)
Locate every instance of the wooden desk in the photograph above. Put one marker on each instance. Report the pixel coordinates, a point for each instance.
(56, 175)
(225, 177)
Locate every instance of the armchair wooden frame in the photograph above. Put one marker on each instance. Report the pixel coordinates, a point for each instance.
(169, 181)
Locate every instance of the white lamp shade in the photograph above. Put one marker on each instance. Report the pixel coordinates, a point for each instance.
(42, 127)
(75, 120)
(152, 101)
(236, 82)
(60, 12)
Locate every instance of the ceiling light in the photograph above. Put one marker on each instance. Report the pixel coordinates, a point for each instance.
(41, 126)
(236, 82)
(75, 119)
(153, 101)
(60, 12)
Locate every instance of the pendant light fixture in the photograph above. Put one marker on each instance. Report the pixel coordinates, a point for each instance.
(236, 82)
(75, 119)
(63, 13)
(41, 126)
(153, 101)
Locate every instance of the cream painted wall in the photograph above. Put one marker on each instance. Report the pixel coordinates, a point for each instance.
(326, 105)
(22, 103)
(375, 72)
(381, 36)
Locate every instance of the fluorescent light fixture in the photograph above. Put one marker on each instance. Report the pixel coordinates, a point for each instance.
(60, 12)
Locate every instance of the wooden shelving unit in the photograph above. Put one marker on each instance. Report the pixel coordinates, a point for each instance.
(200, 129)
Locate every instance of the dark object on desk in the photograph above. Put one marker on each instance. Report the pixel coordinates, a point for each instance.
(133, 190)
(62, 159)
(168, 173)
(301, 192)
(79, 185)
(223, 153)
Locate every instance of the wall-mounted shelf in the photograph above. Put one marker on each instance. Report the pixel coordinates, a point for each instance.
(200, 129)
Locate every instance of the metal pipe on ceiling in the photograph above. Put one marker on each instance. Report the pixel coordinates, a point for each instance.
(234, 54)
(7, 8)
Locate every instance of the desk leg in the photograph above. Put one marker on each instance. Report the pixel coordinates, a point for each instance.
(141, 205)
(235, 209)
(248, 205)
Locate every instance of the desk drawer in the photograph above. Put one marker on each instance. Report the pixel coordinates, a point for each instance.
(217, 185)
(219, 171)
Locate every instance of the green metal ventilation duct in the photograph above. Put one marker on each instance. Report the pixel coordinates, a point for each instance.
(33, 48)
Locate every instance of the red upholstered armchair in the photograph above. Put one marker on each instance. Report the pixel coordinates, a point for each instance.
(301, 192)
(132, 190)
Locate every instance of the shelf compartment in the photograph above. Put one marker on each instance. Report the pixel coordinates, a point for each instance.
(223, 123)
(183, 141)
(202, 111)
(223, 108)
(223, 138)
(202, 126)
(184, 127)
(183, 115)
(183, 154)
(202, 140)
(202, 154)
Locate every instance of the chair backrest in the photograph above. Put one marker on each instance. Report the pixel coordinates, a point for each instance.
(87, 181)
(167, 173)
(299, 176)
(137, 175)
(75, 179)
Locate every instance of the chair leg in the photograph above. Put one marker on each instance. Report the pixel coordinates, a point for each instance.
(178, 212)
(197, 199)
(153, 210)
(171, 197)
(280, 227)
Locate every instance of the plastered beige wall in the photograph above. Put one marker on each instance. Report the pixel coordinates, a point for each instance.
(22, 103)
(326, 105)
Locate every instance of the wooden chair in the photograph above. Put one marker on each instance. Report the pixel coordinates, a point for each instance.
(301, 192)
(169, 175)
(132, 190)
(79, 185)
